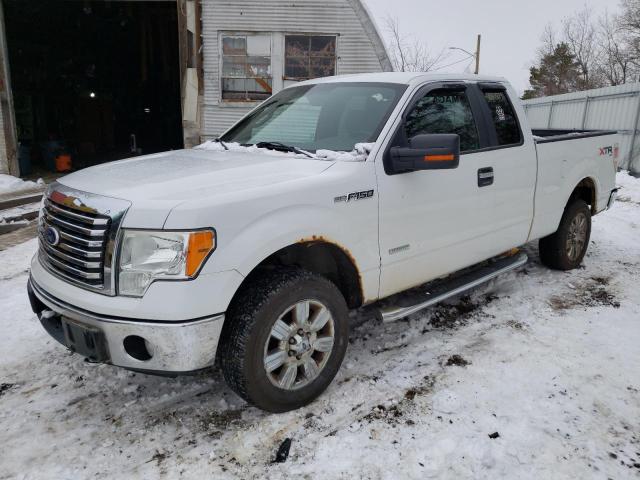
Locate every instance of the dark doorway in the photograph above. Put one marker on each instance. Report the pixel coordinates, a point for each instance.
(93, 80)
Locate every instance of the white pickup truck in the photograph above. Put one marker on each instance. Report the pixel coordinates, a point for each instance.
(335, 193)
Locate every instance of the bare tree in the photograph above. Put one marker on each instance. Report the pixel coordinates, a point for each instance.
(615, 59)
(579, 32)
(629, 23)
(548, 40)
(409, 54)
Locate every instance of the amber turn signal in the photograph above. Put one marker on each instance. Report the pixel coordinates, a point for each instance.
(200, 245)
(439, 158)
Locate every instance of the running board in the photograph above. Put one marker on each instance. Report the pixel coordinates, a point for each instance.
(435, 292)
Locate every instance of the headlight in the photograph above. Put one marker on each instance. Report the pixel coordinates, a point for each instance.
(146, 256)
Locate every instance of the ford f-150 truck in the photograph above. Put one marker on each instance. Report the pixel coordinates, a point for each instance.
(251, 249)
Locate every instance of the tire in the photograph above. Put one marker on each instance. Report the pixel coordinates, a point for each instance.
(249, 341)
(565, 249)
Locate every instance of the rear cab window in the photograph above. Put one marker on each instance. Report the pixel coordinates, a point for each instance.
(504, 118)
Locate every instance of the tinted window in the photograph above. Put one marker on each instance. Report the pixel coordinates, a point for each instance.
(444, 111)
(504, 118)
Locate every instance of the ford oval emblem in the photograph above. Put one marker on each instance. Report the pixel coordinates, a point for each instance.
(52, 236)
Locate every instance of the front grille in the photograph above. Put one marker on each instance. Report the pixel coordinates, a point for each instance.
(73, 242)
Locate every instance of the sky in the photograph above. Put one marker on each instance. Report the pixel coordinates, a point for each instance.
(510, 29)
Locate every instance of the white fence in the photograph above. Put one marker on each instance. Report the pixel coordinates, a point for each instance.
(609, 108)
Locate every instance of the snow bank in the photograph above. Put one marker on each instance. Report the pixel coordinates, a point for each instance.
(630, 191)
(10, 184)
(359, 153)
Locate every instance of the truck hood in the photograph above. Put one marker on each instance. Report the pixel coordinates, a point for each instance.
(154, 184)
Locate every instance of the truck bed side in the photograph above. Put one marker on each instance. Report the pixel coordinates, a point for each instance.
(565, 159)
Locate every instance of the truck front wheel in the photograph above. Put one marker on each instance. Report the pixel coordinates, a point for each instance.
(284, 339)
(565, 249)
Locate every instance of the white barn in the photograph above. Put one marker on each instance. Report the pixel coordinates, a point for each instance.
(291, 41)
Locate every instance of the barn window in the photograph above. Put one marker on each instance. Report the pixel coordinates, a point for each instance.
(309, 56)
(246, 67)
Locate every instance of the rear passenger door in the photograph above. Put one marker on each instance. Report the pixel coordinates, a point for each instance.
(513, 162)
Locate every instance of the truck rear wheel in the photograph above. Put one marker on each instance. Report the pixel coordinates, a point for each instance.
(565, 249)
(284, 339)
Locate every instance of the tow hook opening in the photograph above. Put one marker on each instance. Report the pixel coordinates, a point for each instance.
(137, 347)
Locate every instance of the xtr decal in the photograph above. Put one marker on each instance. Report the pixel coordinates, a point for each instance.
(610, 151)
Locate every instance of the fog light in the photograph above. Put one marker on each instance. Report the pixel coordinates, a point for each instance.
(137, 347)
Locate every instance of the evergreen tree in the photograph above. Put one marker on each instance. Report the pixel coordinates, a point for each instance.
(557, 72)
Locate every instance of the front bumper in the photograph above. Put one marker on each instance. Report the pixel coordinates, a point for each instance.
(155, 346)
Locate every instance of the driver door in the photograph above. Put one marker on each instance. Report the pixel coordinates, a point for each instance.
(433, 222)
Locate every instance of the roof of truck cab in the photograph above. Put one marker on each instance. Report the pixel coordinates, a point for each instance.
(404, 78)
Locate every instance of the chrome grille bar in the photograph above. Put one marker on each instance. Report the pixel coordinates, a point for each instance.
(72, 226)
(78, 234)
(75, 271)
(74, 238)
(69, 258)
(79, 251)
(81, 217)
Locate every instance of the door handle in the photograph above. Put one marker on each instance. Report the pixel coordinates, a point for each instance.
(485, 176)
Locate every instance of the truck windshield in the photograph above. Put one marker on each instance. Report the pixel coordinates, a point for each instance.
(327, 116)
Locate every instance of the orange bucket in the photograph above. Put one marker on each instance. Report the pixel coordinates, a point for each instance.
(63, 163)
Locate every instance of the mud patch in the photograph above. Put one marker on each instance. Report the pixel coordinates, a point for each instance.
(593, 292)
(4, 387)
(393, 414)
(159, 457)
(454, 316)
(425, 387)
(390, 415)
(220, 420)
(515, 325)
(456, 361)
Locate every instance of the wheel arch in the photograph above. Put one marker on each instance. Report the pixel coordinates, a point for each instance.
(319, 255)
(587, 190)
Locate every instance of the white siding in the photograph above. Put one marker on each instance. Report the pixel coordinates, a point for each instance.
(609, 108)
(359, 48)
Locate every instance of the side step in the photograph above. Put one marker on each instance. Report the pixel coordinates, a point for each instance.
(407, 303)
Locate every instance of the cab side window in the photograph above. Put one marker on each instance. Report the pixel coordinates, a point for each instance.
(444, 111)
(504, 118)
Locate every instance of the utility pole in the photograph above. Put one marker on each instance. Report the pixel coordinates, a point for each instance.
(477, 55)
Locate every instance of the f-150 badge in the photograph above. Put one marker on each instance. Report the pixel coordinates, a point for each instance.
(354, 196)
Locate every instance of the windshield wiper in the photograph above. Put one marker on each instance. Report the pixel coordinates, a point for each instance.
(218, 140)
(281, 147)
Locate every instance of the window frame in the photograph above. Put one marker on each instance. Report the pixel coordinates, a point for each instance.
(221, 77)
(481, 88)
(399, 139)
(336, 38)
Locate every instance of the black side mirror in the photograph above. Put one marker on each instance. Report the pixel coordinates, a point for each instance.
(435, 151)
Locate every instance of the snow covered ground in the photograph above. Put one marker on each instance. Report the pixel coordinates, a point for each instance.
(536, 375)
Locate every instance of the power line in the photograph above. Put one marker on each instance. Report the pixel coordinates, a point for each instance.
(449, 65)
